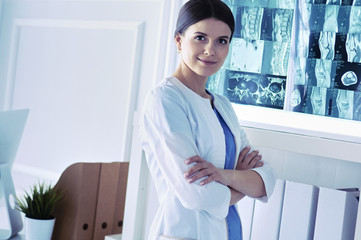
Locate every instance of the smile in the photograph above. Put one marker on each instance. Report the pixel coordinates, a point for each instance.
(207, 62)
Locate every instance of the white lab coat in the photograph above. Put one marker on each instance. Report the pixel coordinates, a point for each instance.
(176, 124)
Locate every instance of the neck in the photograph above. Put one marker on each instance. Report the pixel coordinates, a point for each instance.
(193, 81)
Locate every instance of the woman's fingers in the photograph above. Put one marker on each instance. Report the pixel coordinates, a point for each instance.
(243, 153)
(253, 162)
(193, 159)
(200, 170)
(199, 175)
(252, 155)
(200, 164)
(208, 180)
(250, 160)
(259, 164)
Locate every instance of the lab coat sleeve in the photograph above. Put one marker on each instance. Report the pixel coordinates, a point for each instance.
(266, 171)
(167, 136)
(269, 178)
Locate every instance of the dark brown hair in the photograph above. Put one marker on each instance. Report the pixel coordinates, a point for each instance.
(194, 11)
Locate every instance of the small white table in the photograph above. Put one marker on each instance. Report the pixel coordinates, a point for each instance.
(113, 237)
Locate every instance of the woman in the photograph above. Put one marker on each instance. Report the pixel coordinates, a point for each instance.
(192, 138)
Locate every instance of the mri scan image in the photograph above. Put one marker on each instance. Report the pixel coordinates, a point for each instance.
(275, 58)
(355, 20)
(343, 19)
(334, 2)
(252, 3)
(323, 69)
(347, 2)
(320, 72)
(248, 23)
(312, 100)
(357, 106)
(298, 98)
(318, 100)
(348, 76)
(276, 24)
(314, 49)
(246, 55)
(300, 71)
(286, 4)
(330, 20)
(316, 21)
(356, 3)
(319, 1)
(353, 47)
(310, 72)
(344, 103)
(255, 89)
(326, 43)
(340, 47)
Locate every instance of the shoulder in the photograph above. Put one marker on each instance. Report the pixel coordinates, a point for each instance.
(165, 94)
(166, 88)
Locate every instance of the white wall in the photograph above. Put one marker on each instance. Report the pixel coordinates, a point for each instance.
(77, 66)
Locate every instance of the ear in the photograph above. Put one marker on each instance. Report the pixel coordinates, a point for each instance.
(178, 42)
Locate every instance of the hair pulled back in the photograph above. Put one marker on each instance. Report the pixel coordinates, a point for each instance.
(194, 11)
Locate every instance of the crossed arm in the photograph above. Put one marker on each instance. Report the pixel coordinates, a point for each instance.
(241, 181)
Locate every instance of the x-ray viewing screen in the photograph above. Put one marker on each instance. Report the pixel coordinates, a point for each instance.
(296, 55)
(325, 65)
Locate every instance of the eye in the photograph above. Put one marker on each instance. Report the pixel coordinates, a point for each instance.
(223, 41)
(200, 38)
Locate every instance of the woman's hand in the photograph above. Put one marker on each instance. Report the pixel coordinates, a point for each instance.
(203, 168)
(248, 160)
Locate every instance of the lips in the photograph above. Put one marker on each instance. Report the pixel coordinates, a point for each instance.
(207, 62)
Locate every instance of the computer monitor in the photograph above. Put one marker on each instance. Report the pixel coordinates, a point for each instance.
(12, 125)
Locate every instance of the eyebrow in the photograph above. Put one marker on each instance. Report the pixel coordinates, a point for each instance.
(201, 33)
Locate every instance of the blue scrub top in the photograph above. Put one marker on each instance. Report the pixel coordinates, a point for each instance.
(233, 220)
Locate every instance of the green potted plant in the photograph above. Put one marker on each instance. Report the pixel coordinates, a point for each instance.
(38, 205)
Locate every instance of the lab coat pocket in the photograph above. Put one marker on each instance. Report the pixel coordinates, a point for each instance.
(163, 237)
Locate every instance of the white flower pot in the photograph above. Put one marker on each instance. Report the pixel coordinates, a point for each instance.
(38, 229)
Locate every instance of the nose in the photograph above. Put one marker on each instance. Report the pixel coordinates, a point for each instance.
(209, 49)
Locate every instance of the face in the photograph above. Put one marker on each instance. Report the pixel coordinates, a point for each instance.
(204, 46)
